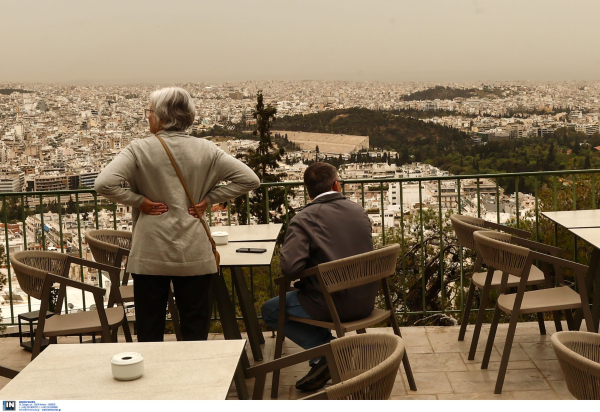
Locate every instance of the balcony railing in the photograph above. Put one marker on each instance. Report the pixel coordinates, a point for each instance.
(419, 291)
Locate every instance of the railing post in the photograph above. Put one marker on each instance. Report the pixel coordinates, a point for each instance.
(42, 223)
(478, 199)
(24, 217)
(423, 283)
(285, 197)
(403, 246)
(441, 229)
(248, 208)
(81, 248)
(382, 215)
(7, 252)
(266, 204)
(517, 199)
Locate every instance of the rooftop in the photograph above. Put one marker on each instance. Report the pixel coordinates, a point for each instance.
(439, 363)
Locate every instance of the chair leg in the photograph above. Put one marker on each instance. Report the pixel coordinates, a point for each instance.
(514, 318)
(240, 383)
(491, 336)
(540, 318)
(127, 331)
(485, 294)
(407, 369)
(570, 321)
(279, 341)
(37, 343)
(467, 313)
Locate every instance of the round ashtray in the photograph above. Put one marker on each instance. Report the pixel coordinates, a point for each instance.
(127, 366)
(221, 238)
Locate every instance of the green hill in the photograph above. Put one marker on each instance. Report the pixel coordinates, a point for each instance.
(386, 130)
(449, 93)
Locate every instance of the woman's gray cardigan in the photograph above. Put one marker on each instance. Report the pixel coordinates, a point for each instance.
(175, 242)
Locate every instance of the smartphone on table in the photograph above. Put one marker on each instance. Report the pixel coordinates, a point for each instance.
(251, 250)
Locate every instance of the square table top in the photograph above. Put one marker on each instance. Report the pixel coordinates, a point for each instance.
(572, 219)
(588, 234)
(197, 370)
(250, 233)
(229, 256)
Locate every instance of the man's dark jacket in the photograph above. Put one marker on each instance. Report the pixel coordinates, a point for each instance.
(331, 227)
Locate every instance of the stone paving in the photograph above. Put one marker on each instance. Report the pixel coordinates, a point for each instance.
(439, 363)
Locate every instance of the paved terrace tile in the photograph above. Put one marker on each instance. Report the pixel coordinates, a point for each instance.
(440, 365)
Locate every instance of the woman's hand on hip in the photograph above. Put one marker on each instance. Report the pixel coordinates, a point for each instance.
(153, 208)
(201, 208)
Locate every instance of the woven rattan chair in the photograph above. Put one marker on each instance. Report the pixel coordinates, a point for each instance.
(340, 275)
(37, 271)
(362, 367)
(464, 227)
(110, 247)
(579, 356)
(498, 253)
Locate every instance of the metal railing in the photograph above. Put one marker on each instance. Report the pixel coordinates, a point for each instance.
(412, 224)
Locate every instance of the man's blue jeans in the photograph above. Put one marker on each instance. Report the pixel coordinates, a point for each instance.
(303, 335)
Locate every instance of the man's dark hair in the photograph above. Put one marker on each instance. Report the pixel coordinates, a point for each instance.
(319, 178)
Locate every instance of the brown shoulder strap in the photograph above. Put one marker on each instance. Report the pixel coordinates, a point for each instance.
(191, 200)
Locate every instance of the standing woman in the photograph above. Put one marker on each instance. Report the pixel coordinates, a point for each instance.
(169, 242)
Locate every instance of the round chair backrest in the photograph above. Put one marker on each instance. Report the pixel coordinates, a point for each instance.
(368, 365)
(578, 354)
(105, 244)
(464, 227)
(498, 253)
(31, 268)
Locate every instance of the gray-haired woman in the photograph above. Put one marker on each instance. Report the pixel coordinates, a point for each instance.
(169, 243)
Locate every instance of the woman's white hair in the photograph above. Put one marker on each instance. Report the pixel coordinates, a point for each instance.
(174, 106)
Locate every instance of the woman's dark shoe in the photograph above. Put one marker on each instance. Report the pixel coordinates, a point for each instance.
(317, 377)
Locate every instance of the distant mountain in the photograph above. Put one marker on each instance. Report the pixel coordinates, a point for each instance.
(11, 91)
(386, 129)
(449, 93)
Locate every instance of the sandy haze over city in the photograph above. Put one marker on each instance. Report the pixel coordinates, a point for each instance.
(214, 41)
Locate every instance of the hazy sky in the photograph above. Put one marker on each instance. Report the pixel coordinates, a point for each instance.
(131, 41)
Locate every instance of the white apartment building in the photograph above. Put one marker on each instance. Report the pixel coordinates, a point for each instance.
(12, 182)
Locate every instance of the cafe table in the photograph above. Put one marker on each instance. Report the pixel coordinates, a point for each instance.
(584, 224)
(250, 233)
(592, 236)
(200, 370)
(235, 261)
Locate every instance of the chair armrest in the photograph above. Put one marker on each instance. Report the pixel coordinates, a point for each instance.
(530, 244)
(8, 372)
(305, 273)
(76, 284)
(507, 229)
(91, 264)
(289, 360)
(577, 267)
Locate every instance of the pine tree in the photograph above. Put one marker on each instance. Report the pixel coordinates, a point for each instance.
(262, 160)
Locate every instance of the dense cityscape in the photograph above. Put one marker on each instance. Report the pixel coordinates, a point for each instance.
(59, 137)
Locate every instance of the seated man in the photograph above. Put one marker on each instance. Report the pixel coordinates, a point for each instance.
(331, 227)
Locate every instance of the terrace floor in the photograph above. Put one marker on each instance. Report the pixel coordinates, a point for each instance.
(439, 363)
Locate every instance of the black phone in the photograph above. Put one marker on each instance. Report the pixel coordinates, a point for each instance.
(251, 250)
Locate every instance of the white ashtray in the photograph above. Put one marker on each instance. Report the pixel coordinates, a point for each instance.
(127, 366)
(221, 238)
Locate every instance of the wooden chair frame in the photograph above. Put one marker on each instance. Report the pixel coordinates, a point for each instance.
(340, 327)
(49, 279)
(578, 269)
(120, 253)
(473, 224)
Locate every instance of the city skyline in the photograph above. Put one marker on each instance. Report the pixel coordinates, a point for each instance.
(391, 42)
